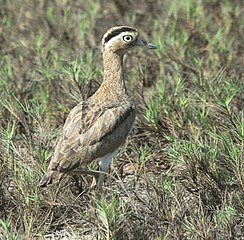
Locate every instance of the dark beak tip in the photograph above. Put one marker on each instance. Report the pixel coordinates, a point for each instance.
(151, 46)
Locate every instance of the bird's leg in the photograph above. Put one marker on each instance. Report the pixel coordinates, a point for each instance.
(84, 171)
(103, 169)
(100, 180)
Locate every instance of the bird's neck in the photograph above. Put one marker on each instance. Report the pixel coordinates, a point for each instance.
(113, 72)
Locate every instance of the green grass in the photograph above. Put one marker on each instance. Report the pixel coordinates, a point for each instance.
(180, 174)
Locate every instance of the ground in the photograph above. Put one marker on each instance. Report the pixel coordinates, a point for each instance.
(180, 173)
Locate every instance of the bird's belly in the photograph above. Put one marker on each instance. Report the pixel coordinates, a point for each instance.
(111, 141)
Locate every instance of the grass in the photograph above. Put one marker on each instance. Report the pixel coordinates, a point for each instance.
(180, 174)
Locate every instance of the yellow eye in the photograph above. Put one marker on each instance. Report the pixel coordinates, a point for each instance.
(127, 38)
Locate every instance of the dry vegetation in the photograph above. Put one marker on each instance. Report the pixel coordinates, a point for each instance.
(180, 175)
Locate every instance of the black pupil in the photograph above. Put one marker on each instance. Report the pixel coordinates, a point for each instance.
(128, 38)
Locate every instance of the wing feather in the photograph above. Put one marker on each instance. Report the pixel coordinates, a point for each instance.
(87, 135)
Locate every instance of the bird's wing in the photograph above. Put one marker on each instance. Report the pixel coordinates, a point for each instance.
(89, 134)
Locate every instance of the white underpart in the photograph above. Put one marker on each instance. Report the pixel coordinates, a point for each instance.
(104, 163)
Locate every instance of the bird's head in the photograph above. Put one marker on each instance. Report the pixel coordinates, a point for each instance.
(121, 39)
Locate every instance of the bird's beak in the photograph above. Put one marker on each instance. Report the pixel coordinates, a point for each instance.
(142, 43)
(150, 45)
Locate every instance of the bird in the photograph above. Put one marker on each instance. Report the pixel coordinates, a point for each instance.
(96, 128)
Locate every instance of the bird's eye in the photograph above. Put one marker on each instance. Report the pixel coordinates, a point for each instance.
(127, 38)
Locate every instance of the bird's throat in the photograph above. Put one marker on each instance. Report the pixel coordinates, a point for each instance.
(114, 72)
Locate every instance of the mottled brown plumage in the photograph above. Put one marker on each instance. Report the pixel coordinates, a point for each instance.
(96, 128)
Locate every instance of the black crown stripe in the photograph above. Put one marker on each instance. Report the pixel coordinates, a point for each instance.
(117, 32)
